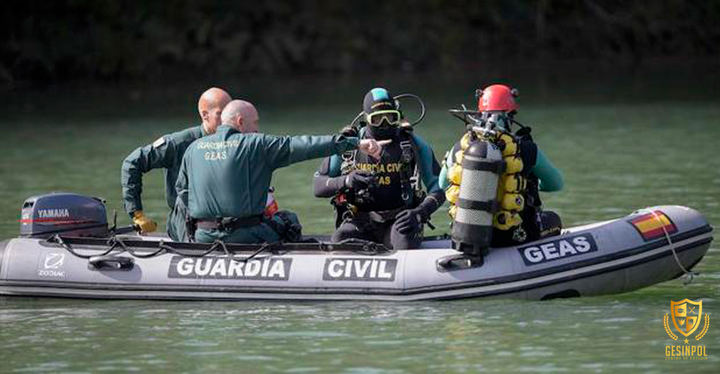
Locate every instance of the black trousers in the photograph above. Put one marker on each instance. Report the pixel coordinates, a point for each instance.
(378, 232)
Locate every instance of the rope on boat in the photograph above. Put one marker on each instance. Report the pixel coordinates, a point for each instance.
(368, 247)
(689, 274)
(117, 242)
(59, 240)
(114, 243)
(118, 245)
(231, 255)
(170, 249)
(264, 247)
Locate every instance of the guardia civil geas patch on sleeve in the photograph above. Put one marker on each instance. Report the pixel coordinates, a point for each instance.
(687, 318)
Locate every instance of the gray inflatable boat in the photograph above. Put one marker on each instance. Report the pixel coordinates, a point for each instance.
(646, 247)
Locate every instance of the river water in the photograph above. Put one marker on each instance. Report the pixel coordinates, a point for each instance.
(654, 144)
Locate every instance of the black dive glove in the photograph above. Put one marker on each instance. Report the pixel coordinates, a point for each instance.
(410, 220)
(349, 132)
(359, 179)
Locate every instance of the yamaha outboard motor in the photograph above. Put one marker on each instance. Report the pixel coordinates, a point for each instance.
(63, 213)
(482, 165)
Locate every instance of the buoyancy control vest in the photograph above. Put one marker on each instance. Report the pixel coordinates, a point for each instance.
(518, 204)
(398, 175)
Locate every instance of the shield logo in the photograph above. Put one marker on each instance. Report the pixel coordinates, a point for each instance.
(686, 315)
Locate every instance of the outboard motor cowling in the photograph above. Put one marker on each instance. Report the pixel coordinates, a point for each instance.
(482, 165)
(63, 213)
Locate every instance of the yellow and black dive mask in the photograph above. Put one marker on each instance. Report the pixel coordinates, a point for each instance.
(381, 113)
(384, 118)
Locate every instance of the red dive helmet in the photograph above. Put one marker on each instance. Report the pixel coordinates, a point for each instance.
(497, 97)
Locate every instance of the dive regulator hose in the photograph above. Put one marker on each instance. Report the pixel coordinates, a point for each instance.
(421, 104)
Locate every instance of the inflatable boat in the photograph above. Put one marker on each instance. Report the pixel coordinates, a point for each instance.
(644, 248)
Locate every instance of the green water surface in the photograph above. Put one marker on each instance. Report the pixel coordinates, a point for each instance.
(616, 155)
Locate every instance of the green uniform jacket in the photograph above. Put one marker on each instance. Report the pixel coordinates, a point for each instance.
(166, 152)
(228, 174)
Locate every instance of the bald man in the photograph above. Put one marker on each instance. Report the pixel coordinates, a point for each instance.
(167, 153)
(226, 176)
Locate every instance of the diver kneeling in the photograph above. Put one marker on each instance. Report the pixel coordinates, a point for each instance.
(493, 176)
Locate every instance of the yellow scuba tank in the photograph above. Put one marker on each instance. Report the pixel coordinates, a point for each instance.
(459, 157)
(509, 187)
(512, 202)
(514, 164)
(507, 144)
(454, 175)
(505, 220)
(452, 193)
(465, 141)
(512, 185)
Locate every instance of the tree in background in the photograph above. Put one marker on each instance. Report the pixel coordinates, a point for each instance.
(105, 39)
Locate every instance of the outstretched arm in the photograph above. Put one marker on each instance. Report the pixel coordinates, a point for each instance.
(282, 151)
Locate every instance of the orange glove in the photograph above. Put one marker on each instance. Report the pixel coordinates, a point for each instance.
(146, 224)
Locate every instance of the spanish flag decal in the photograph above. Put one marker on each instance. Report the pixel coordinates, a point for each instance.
(653, 225)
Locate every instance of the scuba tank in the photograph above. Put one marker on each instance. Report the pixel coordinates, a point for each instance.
(482, 166)
(500, 183)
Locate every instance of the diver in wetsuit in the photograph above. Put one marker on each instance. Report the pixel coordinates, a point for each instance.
(526, 221)
(381, 199)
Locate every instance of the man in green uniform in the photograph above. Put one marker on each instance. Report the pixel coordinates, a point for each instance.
(166, 153)
(226, 175)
